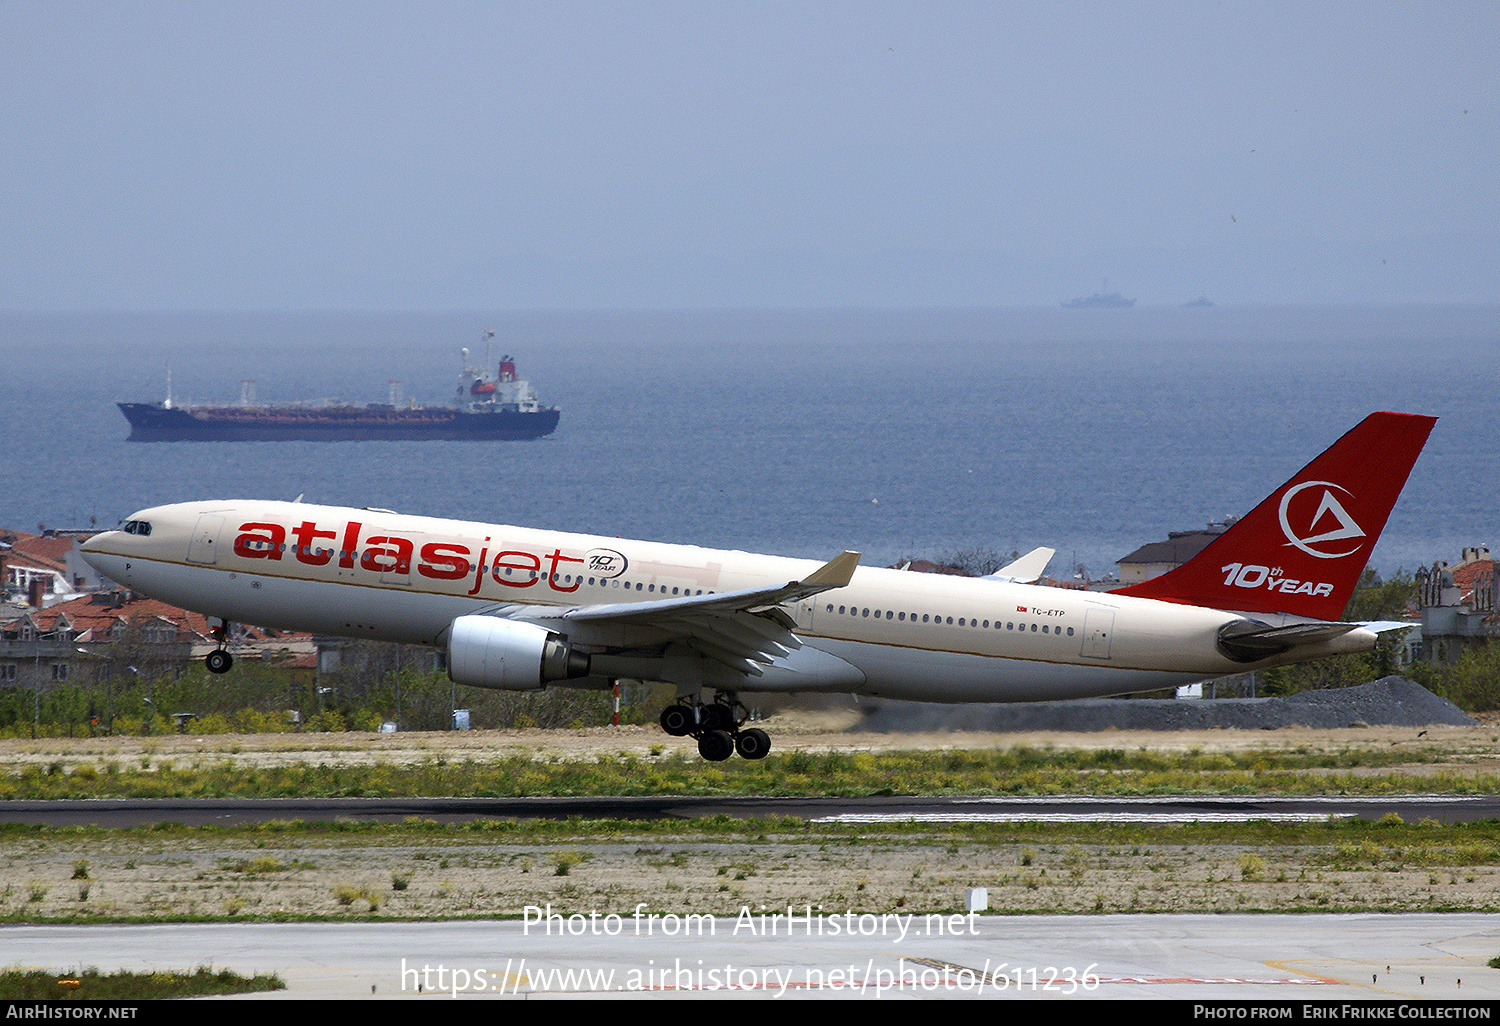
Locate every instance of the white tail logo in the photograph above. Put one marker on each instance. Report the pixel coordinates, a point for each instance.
(1329, 506)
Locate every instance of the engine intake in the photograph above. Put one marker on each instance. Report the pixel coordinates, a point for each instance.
(492, 652)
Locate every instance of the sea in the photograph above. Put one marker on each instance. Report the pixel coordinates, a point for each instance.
(903, 433)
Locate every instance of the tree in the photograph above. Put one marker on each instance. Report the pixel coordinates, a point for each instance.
(1473, 682)
(1374, 599)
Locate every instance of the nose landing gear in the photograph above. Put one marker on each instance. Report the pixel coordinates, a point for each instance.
(718, 726)
(219, 660)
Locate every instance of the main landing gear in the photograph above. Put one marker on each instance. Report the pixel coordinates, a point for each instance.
(719, 727)
(219, 660)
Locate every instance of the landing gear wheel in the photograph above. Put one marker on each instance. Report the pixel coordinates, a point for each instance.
(677, 720)
(716, 745)
(718, 716)
(218, 661)
(753, 743)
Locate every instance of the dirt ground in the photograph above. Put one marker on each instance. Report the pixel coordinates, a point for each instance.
(444, 873)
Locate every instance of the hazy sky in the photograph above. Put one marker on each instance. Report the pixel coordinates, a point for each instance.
(364, 155)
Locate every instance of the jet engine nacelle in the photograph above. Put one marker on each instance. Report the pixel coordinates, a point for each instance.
(492, 652)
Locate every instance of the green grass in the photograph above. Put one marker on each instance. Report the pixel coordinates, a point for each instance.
(92, 985)
(1006, 771)
(1258, 866)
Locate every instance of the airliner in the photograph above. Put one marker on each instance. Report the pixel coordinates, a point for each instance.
(518, 608)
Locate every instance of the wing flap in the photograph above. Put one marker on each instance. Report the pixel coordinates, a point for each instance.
(730, 633)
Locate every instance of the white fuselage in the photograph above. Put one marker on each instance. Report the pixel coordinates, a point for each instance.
(374, 574)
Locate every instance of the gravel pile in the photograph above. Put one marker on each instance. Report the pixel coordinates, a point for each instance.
(1388, 702)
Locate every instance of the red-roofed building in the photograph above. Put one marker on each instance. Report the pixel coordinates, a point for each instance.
(1459, 604)
(115, 632)
(41, 568)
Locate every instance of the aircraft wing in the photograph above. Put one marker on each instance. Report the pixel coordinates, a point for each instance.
(1025, 570)
(740, 629)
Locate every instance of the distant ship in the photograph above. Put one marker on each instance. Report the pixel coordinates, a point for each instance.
(489, 406)
(1099, 301)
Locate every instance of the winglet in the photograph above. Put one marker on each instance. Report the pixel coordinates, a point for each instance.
(835, 573)
(1026, 569)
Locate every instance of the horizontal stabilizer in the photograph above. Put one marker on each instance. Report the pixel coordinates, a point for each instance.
(1386, 626)
(1247, 641)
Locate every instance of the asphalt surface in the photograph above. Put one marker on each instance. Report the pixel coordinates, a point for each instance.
(128, 812)
(780, 954)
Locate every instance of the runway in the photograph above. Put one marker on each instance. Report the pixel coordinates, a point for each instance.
(106, 812)
(801, 952)
(770, 954)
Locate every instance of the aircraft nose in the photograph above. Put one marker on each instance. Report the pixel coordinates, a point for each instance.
(100, 552)
(92, 554)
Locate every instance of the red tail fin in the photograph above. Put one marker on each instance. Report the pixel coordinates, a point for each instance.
(1301, 551)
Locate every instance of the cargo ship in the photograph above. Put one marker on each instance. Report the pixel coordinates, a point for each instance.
(489, 406)
(1099, 301)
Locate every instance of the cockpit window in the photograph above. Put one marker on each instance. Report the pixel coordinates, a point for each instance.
(137, 527)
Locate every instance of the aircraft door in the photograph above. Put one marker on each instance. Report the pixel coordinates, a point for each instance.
(1098, 627)
(204, 543)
